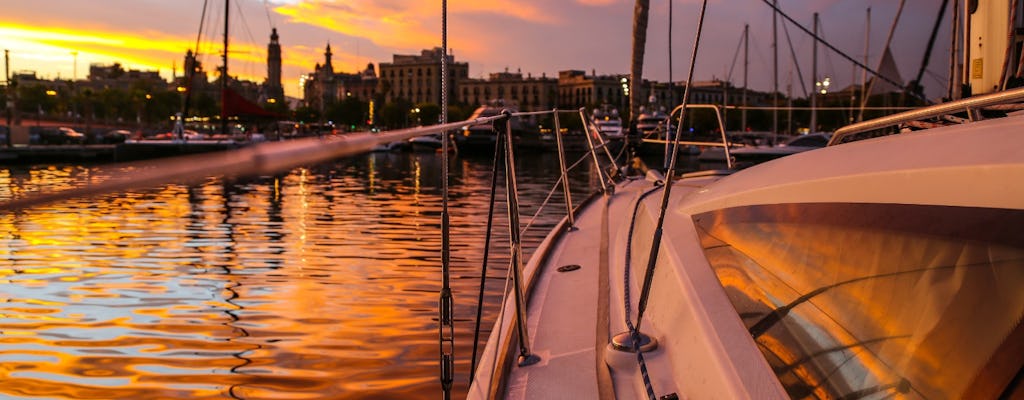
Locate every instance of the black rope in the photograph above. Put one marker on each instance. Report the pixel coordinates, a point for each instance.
(831, 47)
(633, 332)
(487, 249)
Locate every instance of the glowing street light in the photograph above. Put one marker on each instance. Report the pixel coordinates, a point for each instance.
(822, 86)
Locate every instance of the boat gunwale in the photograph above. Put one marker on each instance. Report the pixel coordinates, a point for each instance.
(498, 379)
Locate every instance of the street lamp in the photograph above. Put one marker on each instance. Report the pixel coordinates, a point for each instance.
(416, 113)
(822, 87)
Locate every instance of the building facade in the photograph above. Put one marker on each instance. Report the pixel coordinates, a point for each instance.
(320, 89)
(577, 89)
(417, 78)
(114, 76)
(361, 85)
(324, 87)
(510, 89)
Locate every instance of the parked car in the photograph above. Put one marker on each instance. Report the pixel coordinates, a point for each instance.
(116, 136)
(61, 135)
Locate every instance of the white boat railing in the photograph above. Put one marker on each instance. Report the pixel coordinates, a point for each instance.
(969, 105)
(724, 144)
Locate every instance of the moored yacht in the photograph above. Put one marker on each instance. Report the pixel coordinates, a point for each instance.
(882, 265)
(885, 267)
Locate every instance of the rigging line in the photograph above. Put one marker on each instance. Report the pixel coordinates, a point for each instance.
(191, 72)
(543, 204)
(245, 23)
(736, 55)
(954, 50)
(829, 65)
(252, 39)
(1004, 77)
(796, 63)
(446, 339)
(578, 162)
(633, 331)
(671, 93)
(501, 324)
(888, 41)
(266, 7)
(831, 47)
(213, 30)
(931, 45)
(487, 250)
(656, 241)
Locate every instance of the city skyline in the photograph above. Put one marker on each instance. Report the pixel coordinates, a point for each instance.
(57, 37)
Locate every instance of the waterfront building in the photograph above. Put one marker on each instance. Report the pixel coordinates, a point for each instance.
(199, 79)
(361, 85)
(114, 76)
(320, 89)
(324, 87)
(577, 89)
(510, 89)
(416, 78)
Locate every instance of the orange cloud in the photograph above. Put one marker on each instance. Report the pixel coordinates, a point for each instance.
(597, 2)
(402, 24)
(48, 49)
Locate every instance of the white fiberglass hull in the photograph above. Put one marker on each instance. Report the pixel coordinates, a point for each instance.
(880, 295)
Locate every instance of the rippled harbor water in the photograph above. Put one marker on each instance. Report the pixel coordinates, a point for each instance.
(316, 283)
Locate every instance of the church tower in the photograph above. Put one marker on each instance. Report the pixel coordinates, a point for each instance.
(274, 89)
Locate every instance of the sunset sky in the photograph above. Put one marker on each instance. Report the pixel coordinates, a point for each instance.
(534, 36)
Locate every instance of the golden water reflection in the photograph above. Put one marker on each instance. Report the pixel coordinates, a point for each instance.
(320, 282)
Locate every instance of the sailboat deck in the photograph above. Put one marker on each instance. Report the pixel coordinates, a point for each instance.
(569, 348)
(572, 315)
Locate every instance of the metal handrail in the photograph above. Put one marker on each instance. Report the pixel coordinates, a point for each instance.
(263, 158)
(969, 105)
(721, 127)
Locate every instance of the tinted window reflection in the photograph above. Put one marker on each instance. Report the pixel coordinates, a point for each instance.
(876, 300)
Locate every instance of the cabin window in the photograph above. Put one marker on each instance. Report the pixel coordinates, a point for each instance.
(878, 300)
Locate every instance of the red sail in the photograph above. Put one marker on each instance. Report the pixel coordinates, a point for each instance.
(236, 105)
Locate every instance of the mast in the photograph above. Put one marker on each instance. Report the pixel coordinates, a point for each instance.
(864, 75)
(965, 88)
(224, 74)
(775, 69)
(953, 90)
(746, 52)
(814, 79)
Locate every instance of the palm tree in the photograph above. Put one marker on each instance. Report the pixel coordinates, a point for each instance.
(637, 67)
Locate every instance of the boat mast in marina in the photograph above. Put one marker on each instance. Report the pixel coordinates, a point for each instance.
(640, 11)
(775, 69)
(814, 79)
(224, 74)
(746, 65)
